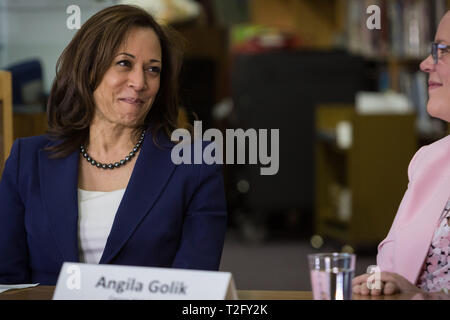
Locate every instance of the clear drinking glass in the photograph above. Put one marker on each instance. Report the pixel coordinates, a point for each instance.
(332, 275)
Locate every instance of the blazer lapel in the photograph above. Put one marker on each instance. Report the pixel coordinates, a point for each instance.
(59, 181)
(150, 175)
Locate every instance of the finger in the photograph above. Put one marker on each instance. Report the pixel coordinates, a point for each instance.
(390, 288)
(377, 291)
(364, 290)
(360, 279)
(401, 284)
(356, 289)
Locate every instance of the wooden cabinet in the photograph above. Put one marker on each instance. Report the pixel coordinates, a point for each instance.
(29, 124)
(6, 123)
(359, 188)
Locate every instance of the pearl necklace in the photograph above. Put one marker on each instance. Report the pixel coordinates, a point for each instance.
(117, 164)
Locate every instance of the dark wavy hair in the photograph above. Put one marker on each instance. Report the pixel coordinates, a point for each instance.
(83, 63)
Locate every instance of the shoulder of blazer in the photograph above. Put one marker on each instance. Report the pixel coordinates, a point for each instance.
(27, 148)
(35, 143)
(432, 156)
(441, 144)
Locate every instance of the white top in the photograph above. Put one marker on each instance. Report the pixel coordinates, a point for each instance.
(96, 212)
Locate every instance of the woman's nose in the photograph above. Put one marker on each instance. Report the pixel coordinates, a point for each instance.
(427, 65)
(137, 80)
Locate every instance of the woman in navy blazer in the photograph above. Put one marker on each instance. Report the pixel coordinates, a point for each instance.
(114, 91)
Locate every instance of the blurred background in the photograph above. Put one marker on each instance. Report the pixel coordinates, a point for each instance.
(349, 101)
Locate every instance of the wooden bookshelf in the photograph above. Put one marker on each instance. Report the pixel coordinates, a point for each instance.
(359, 189)
(315, 23)
(327, 24)
(393, 46)
(6, 123)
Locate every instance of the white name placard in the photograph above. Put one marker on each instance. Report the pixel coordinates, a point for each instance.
(79, 281)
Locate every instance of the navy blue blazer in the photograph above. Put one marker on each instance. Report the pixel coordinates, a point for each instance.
(170, 215)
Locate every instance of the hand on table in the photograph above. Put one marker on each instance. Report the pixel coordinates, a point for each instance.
(390, 283)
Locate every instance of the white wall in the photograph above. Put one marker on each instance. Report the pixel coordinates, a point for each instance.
(37, 29)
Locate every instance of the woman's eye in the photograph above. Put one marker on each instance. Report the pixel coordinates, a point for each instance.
(124, 63)
(155, 70)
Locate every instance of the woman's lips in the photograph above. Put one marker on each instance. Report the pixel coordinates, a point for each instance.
(131, 101)
(433, 85)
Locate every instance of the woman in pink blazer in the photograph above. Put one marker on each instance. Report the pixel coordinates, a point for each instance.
(415, 256)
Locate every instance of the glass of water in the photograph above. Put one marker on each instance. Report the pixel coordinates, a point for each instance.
(332, 275)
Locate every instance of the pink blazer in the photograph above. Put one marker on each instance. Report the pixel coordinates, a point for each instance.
(409, 239)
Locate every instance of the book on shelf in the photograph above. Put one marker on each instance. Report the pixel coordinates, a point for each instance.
(407, 27)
